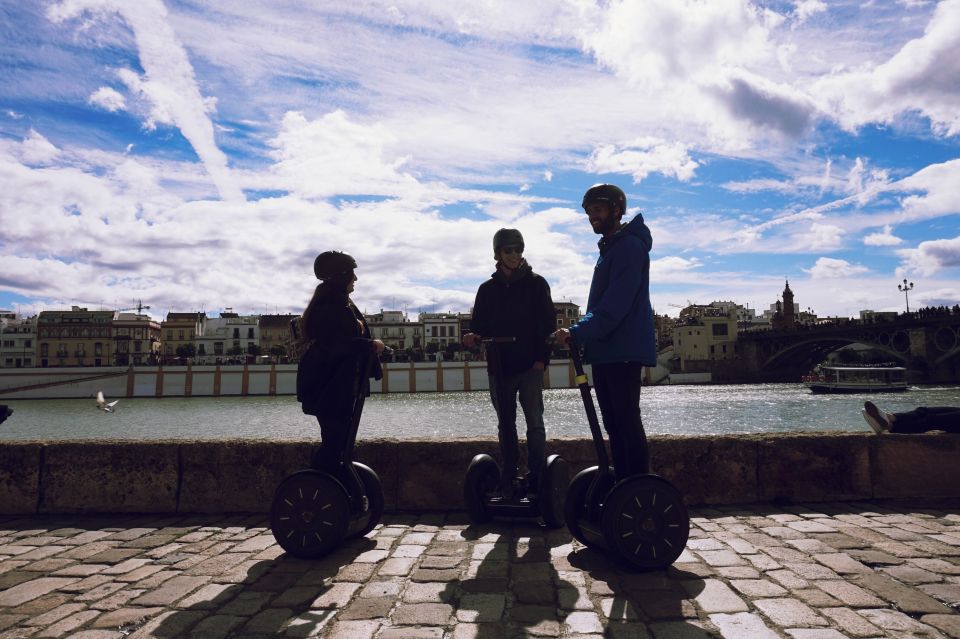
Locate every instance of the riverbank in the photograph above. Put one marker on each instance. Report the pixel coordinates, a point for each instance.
(241, 475)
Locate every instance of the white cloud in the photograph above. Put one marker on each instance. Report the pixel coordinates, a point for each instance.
(108, 99)
(886, 238)
(821, 237)
(923, 76)
(832, 268)
(169, 81)
(932, 256)
(36, 149)
(333, 155)
(806, 8)
(643, 157)
(674, 268)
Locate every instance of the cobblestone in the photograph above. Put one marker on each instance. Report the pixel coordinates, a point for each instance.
(824, 571)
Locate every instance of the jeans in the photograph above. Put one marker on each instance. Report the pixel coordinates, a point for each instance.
(528, 385)
(924, 419)
(618, 392)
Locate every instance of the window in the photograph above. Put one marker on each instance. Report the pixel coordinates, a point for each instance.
(249, 333)
(137, 347)
(433, 331)
(44, 350)
(28, 343)
(719, 330)
(8, 343)
(218, 348)
(170, 335)
(98, 349)
(236, 333)
(180, 334)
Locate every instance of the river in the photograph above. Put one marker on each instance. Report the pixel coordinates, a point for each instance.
(675, 410)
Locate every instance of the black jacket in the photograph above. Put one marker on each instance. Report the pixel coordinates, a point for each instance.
(329, 370)
(519, 307)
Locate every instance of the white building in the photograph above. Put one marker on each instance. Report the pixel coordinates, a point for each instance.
(395, 329)
(441, 328)
(18, 341)
(228, 338)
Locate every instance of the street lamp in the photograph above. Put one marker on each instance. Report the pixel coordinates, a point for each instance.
(906, 291)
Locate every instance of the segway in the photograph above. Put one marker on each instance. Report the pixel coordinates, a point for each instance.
(482, 486)
(314, 510)
(641, 519)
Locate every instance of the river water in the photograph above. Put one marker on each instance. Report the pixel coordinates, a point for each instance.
(678, 410)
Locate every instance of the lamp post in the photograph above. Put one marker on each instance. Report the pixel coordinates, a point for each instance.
(906, 291)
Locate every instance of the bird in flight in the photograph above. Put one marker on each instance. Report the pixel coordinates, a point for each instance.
(102, 403)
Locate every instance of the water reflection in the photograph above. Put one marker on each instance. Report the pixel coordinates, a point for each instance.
(680, 410)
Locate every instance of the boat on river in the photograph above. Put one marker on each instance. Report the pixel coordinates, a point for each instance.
(857, 379)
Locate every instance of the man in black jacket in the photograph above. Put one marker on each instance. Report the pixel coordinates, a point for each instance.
(515, 302)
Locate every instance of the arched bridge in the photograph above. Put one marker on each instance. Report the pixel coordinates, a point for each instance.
(931, 344)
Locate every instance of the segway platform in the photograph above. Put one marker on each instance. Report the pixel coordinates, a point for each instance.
(483, 484)
(314, 510)
(641, 519)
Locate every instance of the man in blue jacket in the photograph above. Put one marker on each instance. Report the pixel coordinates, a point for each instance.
(617, 332)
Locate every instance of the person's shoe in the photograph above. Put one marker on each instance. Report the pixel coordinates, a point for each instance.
(876, 418)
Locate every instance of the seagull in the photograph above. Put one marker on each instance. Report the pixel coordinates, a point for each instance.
(102, 403)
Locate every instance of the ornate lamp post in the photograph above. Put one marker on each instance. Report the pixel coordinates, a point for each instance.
(906, 291)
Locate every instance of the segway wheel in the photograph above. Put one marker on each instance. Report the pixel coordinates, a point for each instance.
(554, 480)
(483, 477)
(575, 505)
(310, 514)
(645, 522)
(374, 490)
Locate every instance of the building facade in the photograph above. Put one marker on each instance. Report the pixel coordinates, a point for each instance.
(18, 341)
(276, 337)
(136, 340)
(78, 337)
(179, 334)
(230, 338)
(700, 341)
(395, 330)
(440, 329)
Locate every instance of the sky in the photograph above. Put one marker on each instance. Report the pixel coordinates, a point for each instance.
(197, 155)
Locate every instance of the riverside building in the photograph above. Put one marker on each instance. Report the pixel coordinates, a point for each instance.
(179, 333)
(136, 339)
(18, 339)
(78, 337)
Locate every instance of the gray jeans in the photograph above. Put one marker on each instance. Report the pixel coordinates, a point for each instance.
(528, 386)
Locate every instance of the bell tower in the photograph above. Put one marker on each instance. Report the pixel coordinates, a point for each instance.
(789, 317)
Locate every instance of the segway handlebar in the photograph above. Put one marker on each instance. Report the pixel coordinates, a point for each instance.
(588, 406)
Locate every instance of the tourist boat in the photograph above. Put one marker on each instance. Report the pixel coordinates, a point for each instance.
(857, 379)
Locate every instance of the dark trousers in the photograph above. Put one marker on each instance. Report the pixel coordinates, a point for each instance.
(332, 455)
(923, 419)
(618, 392)
(528, 388)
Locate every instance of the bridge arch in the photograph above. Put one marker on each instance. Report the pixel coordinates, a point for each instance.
(821, 345)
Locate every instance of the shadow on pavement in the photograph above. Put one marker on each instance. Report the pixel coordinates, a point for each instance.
(262, 598)
(515, 562)
(658, 603)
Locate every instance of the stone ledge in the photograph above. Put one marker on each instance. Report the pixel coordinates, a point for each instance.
(218, 476)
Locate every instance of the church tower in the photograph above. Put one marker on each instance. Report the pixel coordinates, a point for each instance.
(789, 316)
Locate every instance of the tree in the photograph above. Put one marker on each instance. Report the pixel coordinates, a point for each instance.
(186, 351)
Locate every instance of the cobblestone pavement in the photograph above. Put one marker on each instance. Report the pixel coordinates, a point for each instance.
(821, 571)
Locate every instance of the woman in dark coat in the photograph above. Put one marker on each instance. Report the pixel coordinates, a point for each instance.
(338, 348)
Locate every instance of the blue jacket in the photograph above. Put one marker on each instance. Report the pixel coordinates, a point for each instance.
(618, 325)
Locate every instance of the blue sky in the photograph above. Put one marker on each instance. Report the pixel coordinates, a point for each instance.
(198, 155)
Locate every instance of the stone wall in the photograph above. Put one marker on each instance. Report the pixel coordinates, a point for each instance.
(424, 475)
